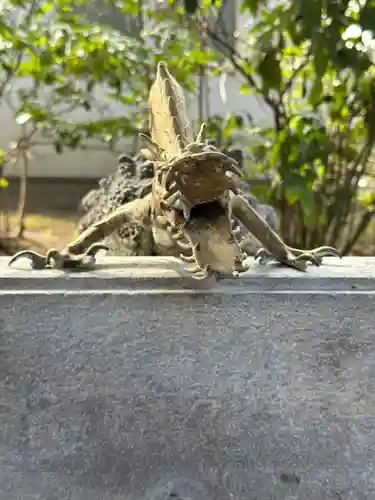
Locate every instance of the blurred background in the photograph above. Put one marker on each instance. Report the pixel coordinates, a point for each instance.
(286, 86)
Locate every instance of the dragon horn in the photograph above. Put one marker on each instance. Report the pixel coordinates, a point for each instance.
(202, 134)
(155, 150)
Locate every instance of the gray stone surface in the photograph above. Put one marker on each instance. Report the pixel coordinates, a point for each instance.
(250, 389)
(166, 273)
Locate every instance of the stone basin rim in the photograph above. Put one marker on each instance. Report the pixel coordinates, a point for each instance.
(166, 275)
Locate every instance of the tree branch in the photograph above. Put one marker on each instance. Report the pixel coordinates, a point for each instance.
(294, 74)
(233, 57)
(238, 66)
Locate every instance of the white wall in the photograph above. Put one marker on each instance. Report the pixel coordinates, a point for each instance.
(44, 161)
(94, 163)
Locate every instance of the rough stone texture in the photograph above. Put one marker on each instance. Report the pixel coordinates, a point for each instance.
(131, 180)
(249, 389)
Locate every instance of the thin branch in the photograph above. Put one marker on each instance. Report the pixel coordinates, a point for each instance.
(294, 74)
(234, 58)
(21, 211)
(360, 229)
(271, 103)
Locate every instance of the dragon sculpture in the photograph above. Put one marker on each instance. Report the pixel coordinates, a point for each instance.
(188, 212)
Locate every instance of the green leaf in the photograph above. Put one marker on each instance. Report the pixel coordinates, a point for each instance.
(270, 70)
(199, 57)
(321, 61)
(316, 93)
(367, 198)
(244, 88)
(295, 186)
(308, 206)
(251, 5)
(367, 16)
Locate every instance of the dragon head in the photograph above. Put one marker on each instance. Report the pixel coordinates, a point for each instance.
(191, 197)
(191, 188)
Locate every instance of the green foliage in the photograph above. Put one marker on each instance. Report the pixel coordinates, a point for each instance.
(65, 60)
(221, 129)
(312, 64)
(191, 6)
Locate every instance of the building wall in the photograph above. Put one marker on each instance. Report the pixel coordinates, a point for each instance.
(94, 163)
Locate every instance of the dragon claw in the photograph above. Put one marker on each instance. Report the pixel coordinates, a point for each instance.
(239, 267)
(60, 260)
(322, 252)
(206, 274)
(263, 256)
(95, 248)
(38, 261)
(316, 255)
(308, 257)
(298, 263)
(299, 258)
(193, 270)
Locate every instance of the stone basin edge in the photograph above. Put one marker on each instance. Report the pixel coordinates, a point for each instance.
(163, 274)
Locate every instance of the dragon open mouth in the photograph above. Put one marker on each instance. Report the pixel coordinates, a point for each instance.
(207, 235)
(197, 195)
(208, 211)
